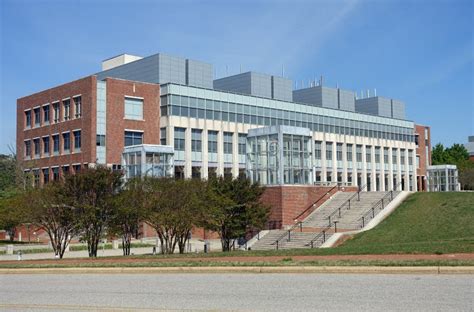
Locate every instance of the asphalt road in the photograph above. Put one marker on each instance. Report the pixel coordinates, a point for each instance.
(236, 292)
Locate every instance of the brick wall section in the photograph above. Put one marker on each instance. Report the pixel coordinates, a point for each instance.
(116, 123)
(423, 142)
(287, 201)
(86, 87)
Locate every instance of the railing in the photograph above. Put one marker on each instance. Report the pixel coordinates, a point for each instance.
(317, 201)
(378, 206)
(287, 234)
(336, 211)
(298, 223)
(339, 210)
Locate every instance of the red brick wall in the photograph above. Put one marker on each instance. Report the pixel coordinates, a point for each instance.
(86, 87)
(116, 124)
(287, 202)
(423, 142)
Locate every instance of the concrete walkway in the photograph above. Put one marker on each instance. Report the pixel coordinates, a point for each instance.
(196, 246)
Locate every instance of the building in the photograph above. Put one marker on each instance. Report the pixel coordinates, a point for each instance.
(165, 115)
(443, 178)
(470, 147)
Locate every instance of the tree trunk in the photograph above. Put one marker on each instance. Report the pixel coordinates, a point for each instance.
(126, 243)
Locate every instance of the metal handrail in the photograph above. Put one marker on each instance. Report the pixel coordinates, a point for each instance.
(338, 210)
(287, 233)
(322, 233)
(319, 199)
(386, 199)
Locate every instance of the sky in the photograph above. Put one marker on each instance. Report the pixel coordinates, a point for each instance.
(420, 52)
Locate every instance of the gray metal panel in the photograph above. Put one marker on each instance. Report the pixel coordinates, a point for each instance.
(329, 97)
(145, 70)
(171, 69)
(398, 109)
(367, 106)
(240, 83)
(346, 100)
(311, 96)
(282, 89)
(261, 85)
(199, 74)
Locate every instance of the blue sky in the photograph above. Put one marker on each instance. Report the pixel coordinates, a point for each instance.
(420, 52)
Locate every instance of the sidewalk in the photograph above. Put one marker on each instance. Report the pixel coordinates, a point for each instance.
(195, 245)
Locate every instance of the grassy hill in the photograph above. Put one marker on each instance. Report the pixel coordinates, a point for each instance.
(424, 223)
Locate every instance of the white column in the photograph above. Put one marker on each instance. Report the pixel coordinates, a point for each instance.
(390, 169)
(187, 154)
(354, 165)
(364, 167)
(235, 154)
(334, 161)
(220, 153)
(205, 155)
(407, 172)
(399, 169)
(344, 163)
(323, 161)
(373, 176)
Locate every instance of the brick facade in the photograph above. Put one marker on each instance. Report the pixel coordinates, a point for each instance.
(288, 202)
(423, 153)
(116, 124)
(117, 90)
(86, 89)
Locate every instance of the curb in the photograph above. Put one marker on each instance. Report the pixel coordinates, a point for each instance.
(253, 269)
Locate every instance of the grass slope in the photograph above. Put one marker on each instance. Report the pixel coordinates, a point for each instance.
(424, 223)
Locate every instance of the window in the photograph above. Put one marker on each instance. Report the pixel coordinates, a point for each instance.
(46, 146)
(417, 161)
(402, 156)
(67, 109)
(36, 177)
(56, 144)
(77, 140)
(56, 112)
(28, 119)
(37, 114)
(28, 149)
(133, 138)
(359, 153)
(133, 108)
(163, 136)
(394, 156)
(65, 170)
(368, 153)
(66, 142)
(55, 171)
(45, 175)
(36, 143)
(349, 152)
(385, 155)
(377, 155)
(212, 141)
(46, 114)
(242, 143)
(339, 151)
(317, 149)
(77, 106)
(328, 150)
(76, 168)
(179, 138)
(227, 142)
(100, 140)
(196, 140)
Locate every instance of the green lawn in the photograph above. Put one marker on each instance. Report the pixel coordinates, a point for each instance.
(424, 223)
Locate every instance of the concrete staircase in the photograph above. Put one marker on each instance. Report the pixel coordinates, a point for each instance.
(349, 219)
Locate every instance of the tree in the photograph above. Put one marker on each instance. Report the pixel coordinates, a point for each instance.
(46, 209)
(11, 214)
(438, 155)
(457, 155)
(129, 211)
(175, 207)
(234, 208)
(91, 193)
